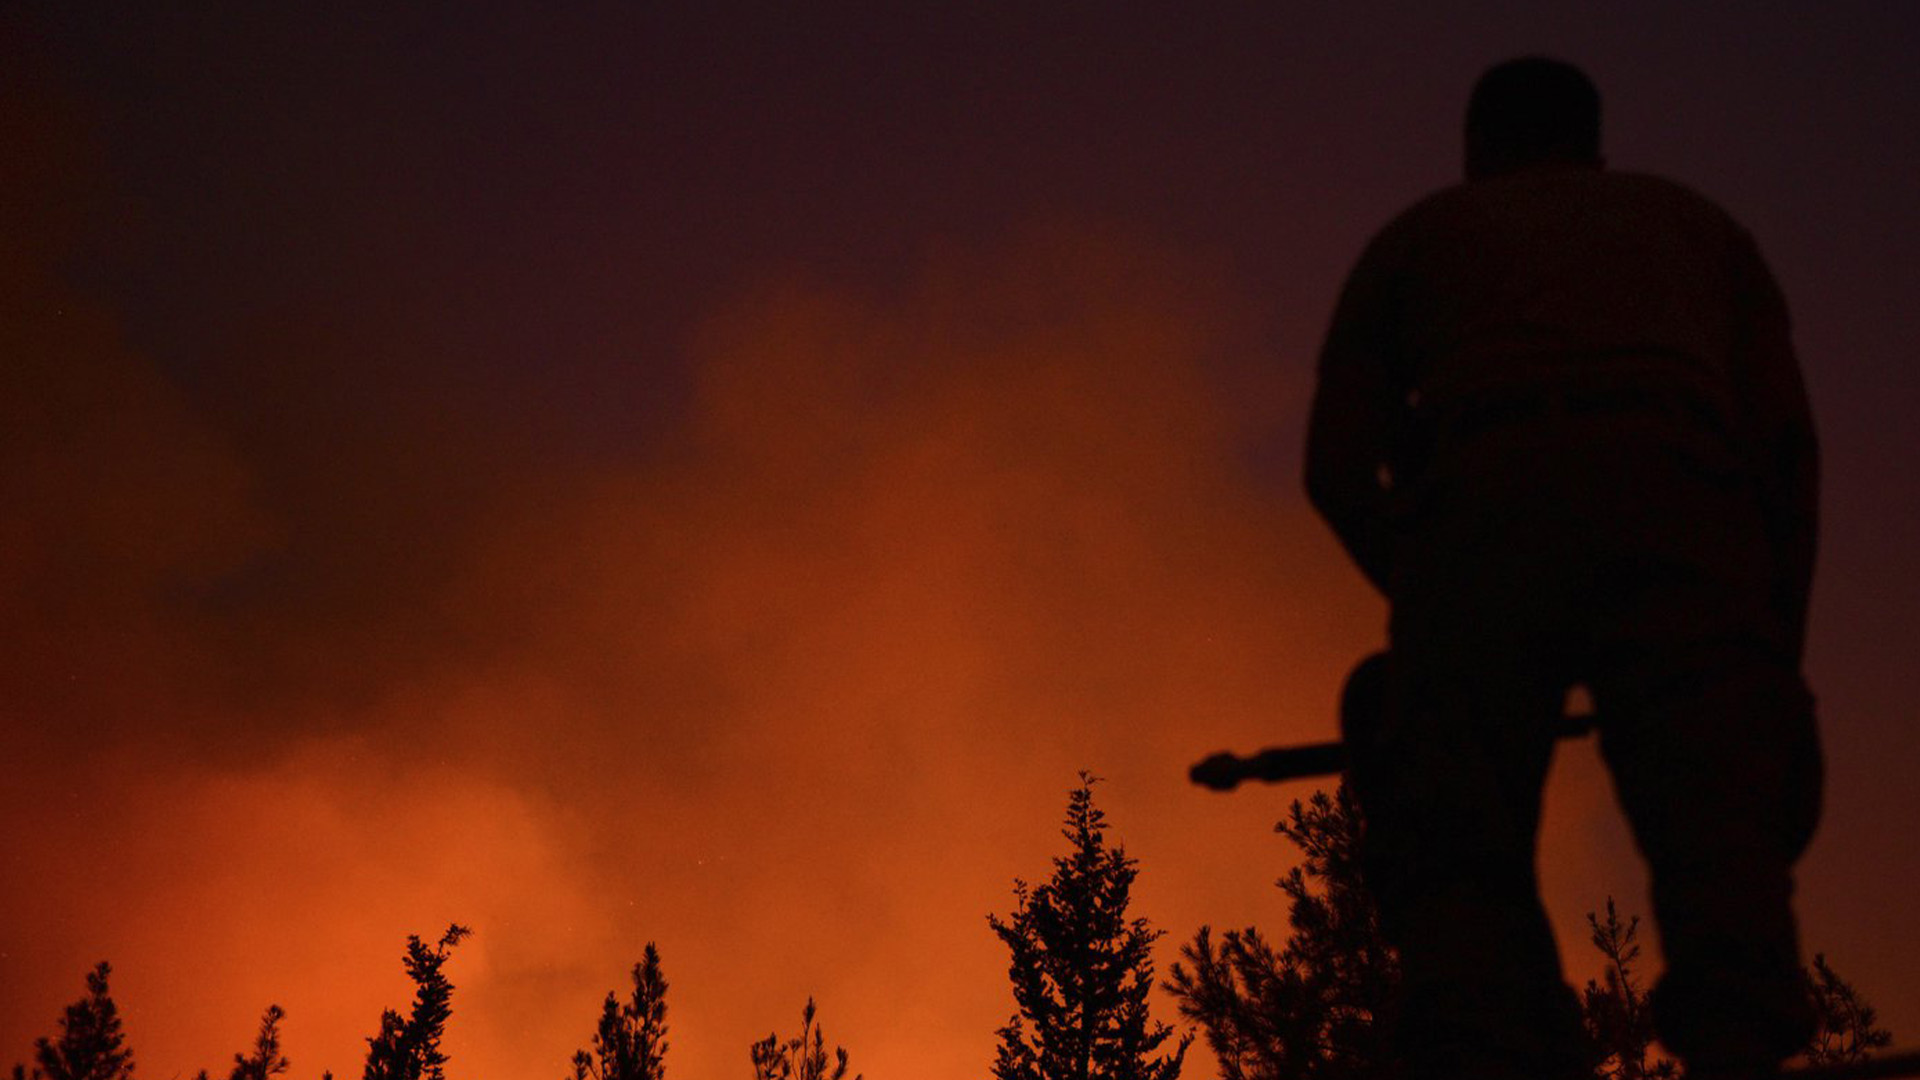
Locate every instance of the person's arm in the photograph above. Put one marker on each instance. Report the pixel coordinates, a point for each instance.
(1779, 422)
(1356, 407)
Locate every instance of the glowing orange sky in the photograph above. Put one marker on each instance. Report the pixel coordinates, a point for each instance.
(795, 684)
(798, 706)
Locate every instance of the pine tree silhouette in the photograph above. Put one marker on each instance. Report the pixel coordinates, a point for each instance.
(266, 1061)
(1618, 1016)
(803, 1057)
(1081, 969)
(408, 1047)
(91, 1045)
(1319, 1008)
(631, 1042)
(1848, 1031)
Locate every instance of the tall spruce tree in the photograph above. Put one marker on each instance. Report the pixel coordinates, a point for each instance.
(408, 1047)
(1081, 969)
(91, 1045)
(631, 1041)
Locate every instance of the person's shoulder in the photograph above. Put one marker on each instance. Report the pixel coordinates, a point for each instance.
(1553, 184)
(1407, 230)
(1678, 198)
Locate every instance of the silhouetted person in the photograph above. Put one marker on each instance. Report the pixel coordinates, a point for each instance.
(1560, 425)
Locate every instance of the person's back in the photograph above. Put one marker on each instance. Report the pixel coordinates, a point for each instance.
(1560, 425)
(1565, 272)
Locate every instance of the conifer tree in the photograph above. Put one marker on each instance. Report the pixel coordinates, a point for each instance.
(408, 1047)
(631, 1042)
(266, 1061)
(1319, 1007)
(91, 1045)
(1848, 1030)
(1618, 1016)
(1081, 969)
(803, 1057)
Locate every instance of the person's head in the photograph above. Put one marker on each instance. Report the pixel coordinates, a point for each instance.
(1532, 111)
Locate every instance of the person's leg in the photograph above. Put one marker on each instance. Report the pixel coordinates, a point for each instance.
(1717, 764)
(1709, 731)
(1449, 760)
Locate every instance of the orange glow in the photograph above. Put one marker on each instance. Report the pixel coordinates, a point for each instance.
(798, 704)
(336, 620)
